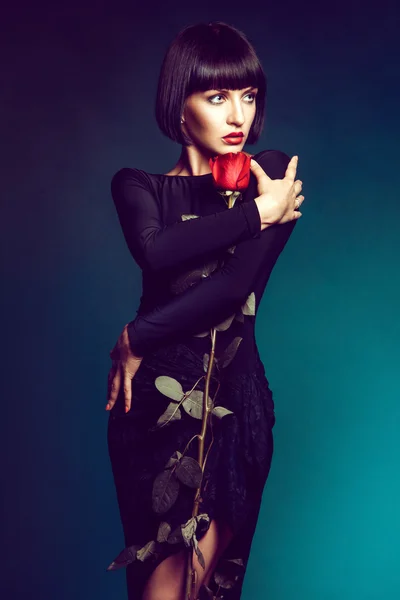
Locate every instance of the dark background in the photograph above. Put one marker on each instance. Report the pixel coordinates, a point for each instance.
(78, 83)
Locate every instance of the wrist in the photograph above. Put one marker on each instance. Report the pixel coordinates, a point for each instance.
(131, 341)
(263, 218)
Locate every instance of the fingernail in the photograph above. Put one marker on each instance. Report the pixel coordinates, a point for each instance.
(126, 409)
(107, 407)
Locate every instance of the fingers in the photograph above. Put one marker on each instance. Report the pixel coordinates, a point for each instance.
(300, 200)
(291, 168)
(122, 372)
(290, 172)
(114, 386)
(127, 391)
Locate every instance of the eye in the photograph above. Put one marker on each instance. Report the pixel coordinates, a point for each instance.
(253, 98)
(211, 99)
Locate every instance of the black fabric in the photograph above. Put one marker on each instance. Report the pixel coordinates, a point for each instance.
(171, 313)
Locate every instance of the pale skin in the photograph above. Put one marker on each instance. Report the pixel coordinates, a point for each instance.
(207, 117)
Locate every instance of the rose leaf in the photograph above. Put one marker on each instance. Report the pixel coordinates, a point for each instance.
(170, 387)
(124, 558)
(249, 307)
(164, 530)
(172, 413)
(221, 411)
(165, 491)
(229, 353)
(193, 404)
(189, 472)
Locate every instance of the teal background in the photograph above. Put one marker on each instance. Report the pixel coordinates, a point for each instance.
(78, 88)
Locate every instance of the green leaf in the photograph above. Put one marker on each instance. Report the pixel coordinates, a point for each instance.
(209, 268)
(165, 491)
(188, 530)
(229, 353)
(249, 307)
(170, 387)
(184, 281)
(193, 404)
(173, 459)
(150, 550)
(202, 334)
(189, 472)
(229, 571)
(221, 411)
(225, 324)
(190, 539)
(185, 217)
(164, 530)
(235, 196)
(203, 522)
(236, 561)
(214, 369)
(124, 558)
(176, 536)
(189, 534)
(172, 413)
(198, 551)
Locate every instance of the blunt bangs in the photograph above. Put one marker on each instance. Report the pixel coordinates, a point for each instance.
(204, 57)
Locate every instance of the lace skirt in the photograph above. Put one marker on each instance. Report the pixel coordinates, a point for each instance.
(238, 462)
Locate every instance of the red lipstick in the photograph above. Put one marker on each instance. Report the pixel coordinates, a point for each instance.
(234, 134)
(234, 138)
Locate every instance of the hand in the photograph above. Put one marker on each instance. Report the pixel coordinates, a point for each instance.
(277, 197)
(124, 366)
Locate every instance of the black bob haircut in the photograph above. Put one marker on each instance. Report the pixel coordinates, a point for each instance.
(204, 57)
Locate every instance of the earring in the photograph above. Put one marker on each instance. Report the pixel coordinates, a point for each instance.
(182, 120)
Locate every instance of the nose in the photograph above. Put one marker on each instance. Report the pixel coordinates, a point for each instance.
(236, 114)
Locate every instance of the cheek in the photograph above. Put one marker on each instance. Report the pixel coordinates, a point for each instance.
(210, 122)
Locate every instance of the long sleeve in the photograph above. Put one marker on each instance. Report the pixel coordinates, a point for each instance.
(155, 246)
(215, 298)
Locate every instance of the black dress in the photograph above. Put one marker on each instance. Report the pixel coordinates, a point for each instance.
(203, 266)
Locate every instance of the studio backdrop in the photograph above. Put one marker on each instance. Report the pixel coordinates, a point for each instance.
(77, 104)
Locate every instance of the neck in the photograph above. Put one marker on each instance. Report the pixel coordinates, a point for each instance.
(192, 162)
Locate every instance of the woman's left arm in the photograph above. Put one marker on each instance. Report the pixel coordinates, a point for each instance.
(212, 299)
(204, 305)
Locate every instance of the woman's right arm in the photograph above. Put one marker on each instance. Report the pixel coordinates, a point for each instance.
(216, 297)
(155, 246)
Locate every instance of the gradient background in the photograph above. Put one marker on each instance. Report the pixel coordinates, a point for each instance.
(77, 93)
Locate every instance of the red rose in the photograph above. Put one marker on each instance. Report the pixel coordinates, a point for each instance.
(231, 171)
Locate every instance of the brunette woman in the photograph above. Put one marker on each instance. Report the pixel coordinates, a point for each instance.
(205, 267)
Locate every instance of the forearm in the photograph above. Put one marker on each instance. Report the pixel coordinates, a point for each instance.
(156, 246)
(213, 299)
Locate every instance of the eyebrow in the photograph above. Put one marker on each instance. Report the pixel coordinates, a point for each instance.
(252, 87)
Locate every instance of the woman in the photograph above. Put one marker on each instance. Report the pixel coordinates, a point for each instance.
(205, 269)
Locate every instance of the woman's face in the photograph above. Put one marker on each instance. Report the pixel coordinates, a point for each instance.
(213, 114)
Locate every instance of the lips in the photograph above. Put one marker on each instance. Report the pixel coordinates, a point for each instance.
(233, 135)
